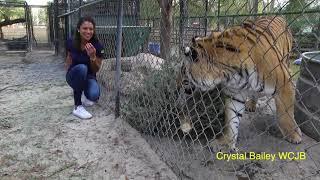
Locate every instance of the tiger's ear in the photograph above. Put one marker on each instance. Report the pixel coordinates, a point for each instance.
(215, 34)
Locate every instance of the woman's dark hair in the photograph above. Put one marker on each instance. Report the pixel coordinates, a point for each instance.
(77, 38)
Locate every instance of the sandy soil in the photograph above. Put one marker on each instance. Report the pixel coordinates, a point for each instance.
(41, 139)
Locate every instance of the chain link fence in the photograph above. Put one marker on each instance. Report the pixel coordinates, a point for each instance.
(182, 122)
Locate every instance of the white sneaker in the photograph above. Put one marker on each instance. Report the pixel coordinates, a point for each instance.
(82, 113)
(85, 101)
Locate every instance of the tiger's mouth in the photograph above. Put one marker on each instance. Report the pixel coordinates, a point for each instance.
(199, 80)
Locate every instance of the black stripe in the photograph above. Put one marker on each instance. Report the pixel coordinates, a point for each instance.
(237, 113)
(229, 69)
(236, 68)
(275, 87)
(261, 88)
(226, 76)
(257, 78)
(245, 85)
(238, 100)
(240, 73)
(262, 85)
(235, 122)
(228, 47)
(193, 81)
(248, 34)
(246, 71)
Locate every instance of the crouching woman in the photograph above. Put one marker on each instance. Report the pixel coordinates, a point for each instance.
(84, 55)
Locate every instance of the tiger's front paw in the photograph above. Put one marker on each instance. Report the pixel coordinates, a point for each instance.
(295, 137)
(186, 127)
(224, 148)
(250, 105)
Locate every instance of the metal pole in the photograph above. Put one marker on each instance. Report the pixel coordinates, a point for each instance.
(183, 18)
(206, 19)
(118, 58)
(80, 4)
(27, 25)
(30, 21)
(69, 19)
(56, 28)
(137, 13)
(218, 24)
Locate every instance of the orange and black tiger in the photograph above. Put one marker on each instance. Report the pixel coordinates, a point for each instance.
(246, 60)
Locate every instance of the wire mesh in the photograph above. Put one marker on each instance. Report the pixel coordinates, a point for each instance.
(185, 121)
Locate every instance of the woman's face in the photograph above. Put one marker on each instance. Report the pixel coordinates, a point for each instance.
(86, 30)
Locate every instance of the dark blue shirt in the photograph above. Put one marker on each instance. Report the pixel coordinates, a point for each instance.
(81, 56)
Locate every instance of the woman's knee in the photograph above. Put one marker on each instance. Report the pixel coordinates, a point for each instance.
(81, 70)
(93, 90)
(93, 95)
(76, 76)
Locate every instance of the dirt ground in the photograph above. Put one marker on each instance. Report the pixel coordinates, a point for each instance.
(41, 139)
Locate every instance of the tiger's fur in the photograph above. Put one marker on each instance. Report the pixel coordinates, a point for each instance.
(246, 60)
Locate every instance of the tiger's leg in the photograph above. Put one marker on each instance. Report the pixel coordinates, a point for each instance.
(285, 110)
(185, 122)
(234, 109)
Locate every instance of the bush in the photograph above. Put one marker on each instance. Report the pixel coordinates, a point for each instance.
(153, 108)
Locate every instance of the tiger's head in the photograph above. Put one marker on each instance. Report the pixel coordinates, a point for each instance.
(212, 60)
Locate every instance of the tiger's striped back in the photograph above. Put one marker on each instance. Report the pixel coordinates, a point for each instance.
(276, 29)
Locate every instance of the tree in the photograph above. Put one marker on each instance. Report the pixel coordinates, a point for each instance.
(42, 16)
(166, 8)
(296, 6)
(9, 15)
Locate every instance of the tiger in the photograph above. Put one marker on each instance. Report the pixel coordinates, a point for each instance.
(246, 60)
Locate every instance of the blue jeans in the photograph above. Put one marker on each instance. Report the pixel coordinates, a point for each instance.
(77, 77)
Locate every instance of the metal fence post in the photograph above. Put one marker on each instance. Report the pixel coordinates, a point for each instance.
(28, 30)
(80, 10)
(218, 16)
(56, 27)
(68, 20)
(206, 18)
(183, 18)
(118, 58)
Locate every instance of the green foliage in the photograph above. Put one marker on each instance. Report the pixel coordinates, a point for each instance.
(8, 13)
(154, 107)
(42, 16)
(233, 7)
(149, 9)
(149, 104)
(297, 22)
